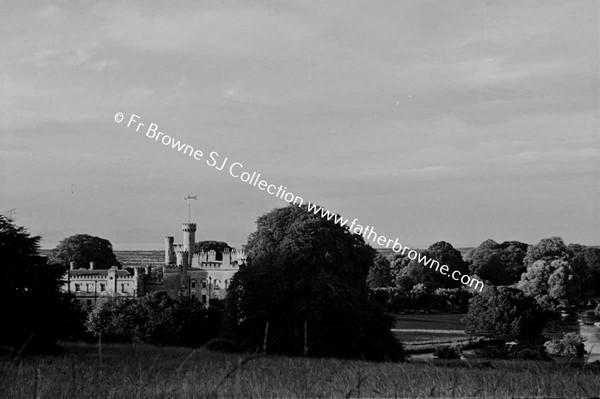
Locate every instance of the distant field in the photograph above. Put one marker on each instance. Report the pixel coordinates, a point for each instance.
(434, 336)
(430, 321)
(140, 258)
(126, 371)
(131, 258)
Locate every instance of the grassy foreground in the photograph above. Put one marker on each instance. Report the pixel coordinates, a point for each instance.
(126, 371)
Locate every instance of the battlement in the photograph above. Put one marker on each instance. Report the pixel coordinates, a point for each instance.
(189, 227)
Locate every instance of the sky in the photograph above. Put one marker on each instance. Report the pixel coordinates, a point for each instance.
(429, 120)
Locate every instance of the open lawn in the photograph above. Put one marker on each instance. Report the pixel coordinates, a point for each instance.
(430, 321)
(126, 371)
(420, 336)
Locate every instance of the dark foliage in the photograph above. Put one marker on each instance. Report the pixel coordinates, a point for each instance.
(586, 264)
(504, 312)
(446, 352)
(379, 273)
(306, 276)
(83, 249)
(34, 310)
(498, 264)
(155, 319)
(416, 273)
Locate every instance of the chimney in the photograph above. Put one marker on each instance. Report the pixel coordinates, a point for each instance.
(72, 265)
(92, 265)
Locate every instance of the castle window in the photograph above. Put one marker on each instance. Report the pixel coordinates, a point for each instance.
(77, 287)
(203, 284)
(87, 288)
(123, 288)
(102, 287)
(193, 283)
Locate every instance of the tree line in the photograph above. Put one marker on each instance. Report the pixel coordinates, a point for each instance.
(309, 287)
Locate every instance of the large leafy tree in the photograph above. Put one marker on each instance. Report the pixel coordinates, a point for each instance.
(586, 263)
(380, 274)
(306, 277)
(498, 264)
(552, 283)
(504, 312)
(83, 249)
(35, 313)
(547, 249)
(416, 273)
(556, 275)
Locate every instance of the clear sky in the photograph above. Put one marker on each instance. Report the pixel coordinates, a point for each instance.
(430, 120)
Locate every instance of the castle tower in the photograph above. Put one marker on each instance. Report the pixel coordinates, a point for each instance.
(189, 240)
(169, 251)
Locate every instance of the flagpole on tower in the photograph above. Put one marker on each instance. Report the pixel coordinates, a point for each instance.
(188, 198)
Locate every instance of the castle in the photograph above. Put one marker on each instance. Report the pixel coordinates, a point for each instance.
(186, 272)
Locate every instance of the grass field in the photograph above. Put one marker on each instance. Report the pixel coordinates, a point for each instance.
(157, 372)
(422, 336)
(430, 321)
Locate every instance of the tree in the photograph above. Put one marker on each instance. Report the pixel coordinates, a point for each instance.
(303, 290)
(547, 249)
(552, 283)
(217, 246)
(504, 312)
(415, 272)
(555, 274)
(379, 274)
(83, 249)
(155, 319)
(586, 264)
(498, 264)
(35, 312)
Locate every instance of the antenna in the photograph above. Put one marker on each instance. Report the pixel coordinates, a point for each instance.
(188, 198)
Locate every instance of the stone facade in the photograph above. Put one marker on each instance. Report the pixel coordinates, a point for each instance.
(198, 274)
(91, 286)
(186, 272)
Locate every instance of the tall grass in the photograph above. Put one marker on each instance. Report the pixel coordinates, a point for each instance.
(159, 372)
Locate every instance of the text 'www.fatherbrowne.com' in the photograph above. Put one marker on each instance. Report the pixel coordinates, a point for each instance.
(255, 179)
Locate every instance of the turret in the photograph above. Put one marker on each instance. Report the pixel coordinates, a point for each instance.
(182, 258)
(189, 240)
(169, 251)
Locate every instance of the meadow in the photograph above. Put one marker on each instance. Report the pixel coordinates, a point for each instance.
(126, 371)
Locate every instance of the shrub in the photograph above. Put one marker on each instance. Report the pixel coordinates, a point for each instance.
(303, 290)
(597, 310)
(446, 352)
(571, 344)
(155, 319)
(504, 312)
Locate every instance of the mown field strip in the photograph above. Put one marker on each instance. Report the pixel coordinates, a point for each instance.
(422, 330)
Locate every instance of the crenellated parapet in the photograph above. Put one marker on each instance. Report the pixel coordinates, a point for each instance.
(228, 259)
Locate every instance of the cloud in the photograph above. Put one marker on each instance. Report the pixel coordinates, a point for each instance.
(234, 31)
